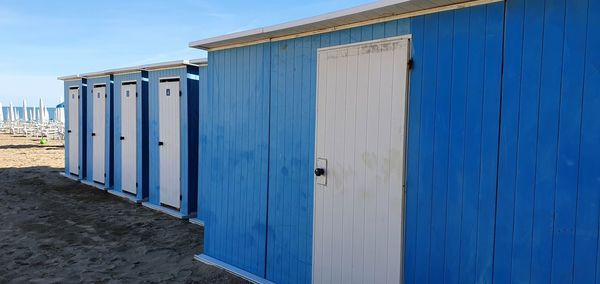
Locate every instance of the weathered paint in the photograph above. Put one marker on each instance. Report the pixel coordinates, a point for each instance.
(454, 109)
(141, 133)
(189, 127)
(549, 182)
(234, 156)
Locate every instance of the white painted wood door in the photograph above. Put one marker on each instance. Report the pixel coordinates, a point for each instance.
(360, 144)
(98, 133)
(74, 131)
(169, 141)
(129, 137)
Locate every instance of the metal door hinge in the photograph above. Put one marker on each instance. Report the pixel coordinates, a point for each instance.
(136, 184)
(410, 64)
(180, 198)
(180, 93)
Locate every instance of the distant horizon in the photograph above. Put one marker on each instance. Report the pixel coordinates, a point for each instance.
(19, 110)
(43, 40)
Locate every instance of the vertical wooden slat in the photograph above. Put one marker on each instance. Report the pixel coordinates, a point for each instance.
(472, 159)
(427, 132)
(414, 126)
(545, 179)
(349, 173)
(587, 224)
(489, 142)
(513, 46)
(441, 144)
(569, 140)
(527, 141)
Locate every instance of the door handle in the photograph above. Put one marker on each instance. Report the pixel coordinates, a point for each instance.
(122, 138)
(321, 171)
(93, 134)
(68, 131)
(160, 143)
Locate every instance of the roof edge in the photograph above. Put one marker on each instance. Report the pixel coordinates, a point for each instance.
(69, 77)
(254, 35)
(199, 61)
(139, 68)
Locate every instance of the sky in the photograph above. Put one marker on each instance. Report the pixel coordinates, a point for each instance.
(41, 40)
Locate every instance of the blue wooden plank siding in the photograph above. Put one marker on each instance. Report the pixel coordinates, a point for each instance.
(202, 141)
(118, 81)
(67, 85)
(454, 111)
(549, 183)
(234, 137)
(189, 99)
(502, 164)
(452, 145)
(89, 122)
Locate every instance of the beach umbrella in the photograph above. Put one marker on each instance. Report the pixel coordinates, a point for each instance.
(46, 115)
(34, 114)
(25, 117)
(58, 114)
(11, 112)
(41, 117)
(1, 113)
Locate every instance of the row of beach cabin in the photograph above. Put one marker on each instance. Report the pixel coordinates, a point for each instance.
(400, 141)
(134, 132)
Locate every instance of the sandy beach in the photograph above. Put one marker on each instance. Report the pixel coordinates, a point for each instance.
(55, 230)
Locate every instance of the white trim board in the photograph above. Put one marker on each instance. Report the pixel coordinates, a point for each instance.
(230, 268)
(365, 42)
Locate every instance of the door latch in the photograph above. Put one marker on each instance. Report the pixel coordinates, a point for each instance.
(321, 171)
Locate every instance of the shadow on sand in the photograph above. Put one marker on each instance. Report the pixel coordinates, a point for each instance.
(15, 147)
(54, 229)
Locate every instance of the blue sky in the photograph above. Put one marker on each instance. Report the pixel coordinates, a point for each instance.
(41, 40)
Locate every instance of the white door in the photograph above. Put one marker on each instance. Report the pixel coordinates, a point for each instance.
(169, 140)
(129, 137)
(73, 131)
(360, 149)
(98, 133)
